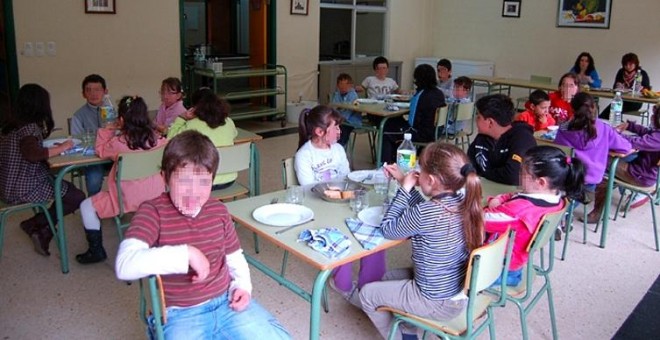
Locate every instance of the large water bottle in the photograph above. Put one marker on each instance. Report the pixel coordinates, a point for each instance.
(615, 109)
(406, 154)
(108, 113)
(637, 84)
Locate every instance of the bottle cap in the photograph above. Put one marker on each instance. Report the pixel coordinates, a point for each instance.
(618, 93)
(407, 136)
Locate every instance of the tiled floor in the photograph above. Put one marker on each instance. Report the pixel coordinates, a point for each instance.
(594, 289)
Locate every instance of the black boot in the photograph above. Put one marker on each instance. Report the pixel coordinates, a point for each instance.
(41, 237)
(95, 253)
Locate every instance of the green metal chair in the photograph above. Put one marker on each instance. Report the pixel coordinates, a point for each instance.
(155, 305)
(464, 112)
(523, 295)
(7, 210)
(534, 79)
(440, 119)
(289, 177)
(651, 192)
(236, 158)
(486, 264)
(133, 166)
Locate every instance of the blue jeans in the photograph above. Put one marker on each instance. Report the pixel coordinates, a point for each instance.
(94, 178)
(216, 320)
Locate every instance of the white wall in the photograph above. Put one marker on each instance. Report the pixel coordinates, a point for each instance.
(134, 50)
(474, 29)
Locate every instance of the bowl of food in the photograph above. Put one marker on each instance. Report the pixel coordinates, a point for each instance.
(340, 191)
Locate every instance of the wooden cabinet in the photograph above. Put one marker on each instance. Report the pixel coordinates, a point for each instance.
(357, 70)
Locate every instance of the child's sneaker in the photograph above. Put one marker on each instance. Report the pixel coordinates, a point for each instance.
(638, 201)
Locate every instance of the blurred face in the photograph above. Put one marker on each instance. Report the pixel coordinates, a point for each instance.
(484, 124)
(344, 86)
(332, 134)
(190, 188)
(443, 73)
(168, 96)
(541, 109)
(584, 63)
(381, 70)
(630, 66)
(94, 93)
(568, 88)
(460, 92)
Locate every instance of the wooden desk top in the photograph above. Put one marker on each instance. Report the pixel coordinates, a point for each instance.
(523, 83)
(377, 109)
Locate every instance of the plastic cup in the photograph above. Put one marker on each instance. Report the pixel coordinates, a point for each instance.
(295, 194)
(359, 201)
(380, 183)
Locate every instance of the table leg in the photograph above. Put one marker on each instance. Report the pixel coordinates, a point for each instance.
(61, 229)
(608, 201)
(315, 312)
(379, 142)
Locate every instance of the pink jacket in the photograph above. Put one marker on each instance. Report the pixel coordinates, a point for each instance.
(526, 217)
(134, 192)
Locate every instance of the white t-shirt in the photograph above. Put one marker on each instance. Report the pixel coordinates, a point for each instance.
(376, 87)
(315, 165)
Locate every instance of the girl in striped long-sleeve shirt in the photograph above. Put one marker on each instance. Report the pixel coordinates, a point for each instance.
(443, 232)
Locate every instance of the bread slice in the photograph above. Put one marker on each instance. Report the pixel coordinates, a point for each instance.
(347, 194)
(334, 194)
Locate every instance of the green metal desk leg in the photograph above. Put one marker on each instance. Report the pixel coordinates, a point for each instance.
(315, 313)
(608, 201)
(61, 230)
(379, 147)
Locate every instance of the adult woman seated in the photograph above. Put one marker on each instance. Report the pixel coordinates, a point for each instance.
(625, 80)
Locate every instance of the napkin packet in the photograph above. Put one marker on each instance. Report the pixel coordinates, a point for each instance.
(368, 236)
(85, 151)
(392, 107)
(550, 135)
(327, 241)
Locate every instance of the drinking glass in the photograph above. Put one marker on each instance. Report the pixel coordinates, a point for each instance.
(380, 183)
(359, 201)
(295, 194)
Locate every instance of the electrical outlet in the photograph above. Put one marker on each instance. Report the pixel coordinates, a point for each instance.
(28, 49)
(39, 49)
(51, 48)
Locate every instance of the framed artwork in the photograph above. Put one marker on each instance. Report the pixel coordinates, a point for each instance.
(511, 9)
(100, 6)
(300, 7)
(584, 13)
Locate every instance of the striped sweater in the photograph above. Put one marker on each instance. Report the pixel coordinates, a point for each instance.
(158, 223)
(439, 252)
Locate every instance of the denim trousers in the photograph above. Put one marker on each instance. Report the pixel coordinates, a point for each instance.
(214, 319)
(94, 178)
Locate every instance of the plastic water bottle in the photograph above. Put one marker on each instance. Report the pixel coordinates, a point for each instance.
(637, 84)
(406, 154)
(108, 113)
(615, 109)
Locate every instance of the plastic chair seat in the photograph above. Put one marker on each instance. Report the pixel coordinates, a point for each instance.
(456, 326)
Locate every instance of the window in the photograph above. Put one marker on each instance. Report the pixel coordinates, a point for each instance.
(351, 29)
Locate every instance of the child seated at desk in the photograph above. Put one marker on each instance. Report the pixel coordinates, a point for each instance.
(641, 171)
(136, 133)
(442, 231)
(345, 93)
(537, 115)
(24, 172)
(191, 241)
(560, 101)
(379, 85)
(547, 174)
(460, 95)
(171, 107)
(591, 138)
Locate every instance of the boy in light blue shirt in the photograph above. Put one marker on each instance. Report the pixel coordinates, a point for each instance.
(345, 93)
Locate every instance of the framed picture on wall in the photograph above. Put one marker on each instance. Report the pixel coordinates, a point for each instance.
(100, 6)
(300, 7)
(584, 13)
(511, 8)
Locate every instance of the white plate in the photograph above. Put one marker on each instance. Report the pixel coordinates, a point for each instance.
(368, 101)
(362, 176)
(371, 216)
(283, 214)
(48, 143)
(402, 105)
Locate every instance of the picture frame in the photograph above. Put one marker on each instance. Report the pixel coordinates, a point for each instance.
(584, 13)
(100, 7)
(300, 7)
(511, 8)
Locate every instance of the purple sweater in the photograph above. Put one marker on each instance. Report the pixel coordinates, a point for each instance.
(593, 153)
(644, 168)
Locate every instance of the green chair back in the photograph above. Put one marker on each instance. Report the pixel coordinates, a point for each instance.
(289, 177)
(133, 166)
(237, 158)
(155, 305)
(441, 116)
